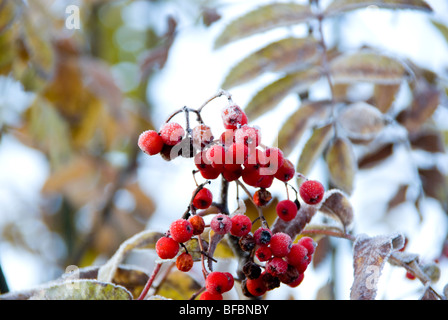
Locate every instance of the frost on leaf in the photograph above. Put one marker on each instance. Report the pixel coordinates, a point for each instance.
(336, 205)
(369, 257)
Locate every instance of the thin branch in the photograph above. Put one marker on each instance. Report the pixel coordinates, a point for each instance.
(150, 281)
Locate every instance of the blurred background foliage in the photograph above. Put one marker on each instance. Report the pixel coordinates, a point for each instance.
(88, 102)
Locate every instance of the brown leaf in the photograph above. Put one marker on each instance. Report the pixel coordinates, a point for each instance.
(341, 164)
(367, 66)
(336, 204)
(132, 279)
(263, 19)
(435, 184)
(270, 96)
(294, 127)
(178, 285)
(430, 140)
(341, 6)
(369, 257)
(361, 121)
(384, 96)
(399, 197)
(376, 156)
(287, 55)
(425, 102)
(314, 148)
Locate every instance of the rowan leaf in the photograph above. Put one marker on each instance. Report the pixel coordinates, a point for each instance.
(367, 66)
(384, 96)
(369, 257)
(375, 156)
(341, 6)
(294, 127)
(144, 239)
(178, 285)
(288, 55)
(361, 121)
(337, 205)
(435, 184)
(399, 197)
(442, 28)
(341, 164)
(263, 19)
(314, 148)
(268, 97)
(82, 290)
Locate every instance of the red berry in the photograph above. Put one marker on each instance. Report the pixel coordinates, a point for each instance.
(410, 276)
(235, 155)
(233, 117)
(227, 137)
(262, 197)
(296, 282)
(256, 159)
(216, 156)
(280, 244)
(172, 133)
(276, 266)
(202, 136)
(311, 191)
(167, 248)
(256, 287)
(217, 282)
(203, 199)
(263, 253)
(241, 225)
(298, 256)
(308, 243)
(184, 262)
(210, 296)
(230, 282)
(205, 168)
(232, 174)
(275, 159)
(286, 210)
(262, 236)
(198, 224)
(181, 230)
(250, 136)
(221, 223)
(150, 142)
(286, 171)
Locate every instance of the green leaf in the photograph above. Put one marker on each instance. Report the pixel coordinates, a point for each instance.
(341, 164)
(82, 290)
(341, 6)
(314, 148)
(367, 66)
(294, 127)
(268, 97)
(263, 19)
(290, 54)
(443, 29)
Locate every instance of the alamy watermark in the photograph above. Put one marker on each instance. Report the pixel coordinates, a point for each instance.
(73, 19)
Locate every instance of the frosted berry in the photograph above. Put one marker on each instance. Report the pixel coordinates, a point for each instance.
(202, 136)
(280, 244)
(311, 191)
(276, 266)
(205, 168)
(297, 256)
(235, 155)
(256, 158)
(198, 224)
(256, 287)
(233, 117)
(181, 230)
(210, 296)
(286, 210)
(263, 253)
(227, 137)
(217, 282)
(184, 262)
(250, 136)
(167, 248)
(286, 171)
(172, 133)
(150, 142)
(262, 197)
(308, 243)
(216, 156)
(262, 236)
(221, 223)
(241, 225)
(203, 199)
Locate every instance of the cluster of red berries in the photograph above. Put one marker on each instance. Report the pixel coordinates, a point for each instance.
(238, 153)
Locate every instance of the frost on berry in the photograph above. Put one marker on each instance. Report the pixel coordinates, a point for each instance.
(221, 223)
(233, 117)
(263, 253)
(249, 135)
(262, 236)
(172, 133)
(241, 225)
(202, 136)
(181, 230)
(280, 244)
(150, 142)
(276, 266)
(311, 191)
